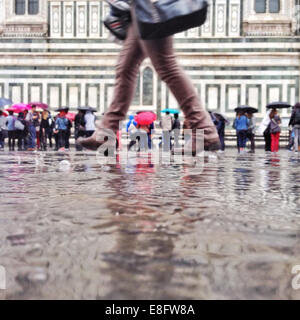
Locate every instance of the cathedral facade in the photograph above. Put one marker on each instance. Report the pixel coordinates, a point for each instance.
(59, 52)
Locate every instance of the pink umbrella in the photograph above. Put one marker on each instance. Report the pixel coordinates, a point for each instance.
(19, 107)
(41, 105)
(71, 116)
(145, 118)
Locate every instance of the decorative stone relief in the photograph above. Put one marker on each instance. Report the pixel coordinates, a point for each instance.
(81, 19)
(94, 19)
(220, 18)
(23, 25)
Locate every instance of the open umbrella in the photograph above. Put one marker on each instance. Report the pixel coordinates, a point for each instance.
(5, 102)
(138, 112)
(71, 116)
(19, 107)
(222, 116)
(40, 105)
(246, 109)
(173, 111)
(145, 118)
(87, 108)
(84, 108)
(278, 105)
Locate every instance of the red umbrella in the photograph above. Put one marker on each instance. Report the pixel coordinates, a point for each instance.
(145, 118)
(71, 116)
(41, 105)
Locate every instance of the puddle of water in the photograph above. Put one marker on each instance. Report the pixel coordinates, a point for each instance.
(73, 229)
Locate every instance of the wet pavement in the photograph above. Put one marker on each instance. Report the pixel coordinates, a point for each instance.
(71, 228)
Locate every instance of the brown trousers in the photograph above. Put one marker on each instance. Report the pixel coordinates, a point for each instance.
(161, 54)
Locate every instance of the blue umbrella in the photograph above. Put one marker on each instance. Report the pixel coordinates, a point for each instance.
(173, 111)
(5, 102)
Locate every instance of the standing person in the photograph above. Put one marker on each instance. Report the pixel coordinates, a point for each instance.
(37, 123)
(49, 132)
(3, 130)
(68, 130)
(31, 119)
(61, 127)
(21, 131)
(161, 53)
(89, 120)
(295, 123)
(275, 130)
(241, 126)
(221, 123)
(44, 129)
(176, 129)
(131, 130)
(79, 127)
(11, 130)
(166, 126)
(251, 130)
(55, 133)
(264, 129)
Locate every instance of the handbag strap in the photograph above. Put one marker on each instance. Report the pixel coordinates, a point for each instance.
(155, 13)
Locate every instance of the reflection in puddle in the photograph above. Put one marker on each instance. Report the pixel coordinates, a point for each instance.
(72, 228)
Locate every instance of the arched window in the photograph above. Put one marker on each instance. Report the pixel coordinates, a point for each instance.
(23, 7)
(33, 6)
(263, 6)
(20, 7)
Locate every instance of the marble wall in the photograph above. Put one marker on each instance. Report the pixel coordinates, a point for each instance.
(72, 61)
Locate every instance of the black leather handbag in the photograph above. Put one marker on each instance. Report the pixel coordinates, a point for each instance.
(163, 18)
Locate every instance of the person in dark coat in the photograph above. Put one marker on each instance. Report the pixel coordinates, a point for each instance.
(176, 129)
(295, 123)
(79, 127)
(44, 128)
(22, 134)
(220, 124)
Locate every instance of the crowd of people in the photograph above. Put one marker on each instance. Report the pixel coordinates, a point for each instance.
(37, 130)
(270, 128)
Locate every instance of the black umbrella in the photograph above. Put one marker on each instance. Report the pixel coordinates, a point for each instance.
(246, 109)
(84, 108)
(62, 109)
(278, 105)
(5, 102)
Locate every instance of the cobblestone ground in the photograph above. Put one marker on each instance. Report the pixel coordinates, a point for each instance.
(72, 228)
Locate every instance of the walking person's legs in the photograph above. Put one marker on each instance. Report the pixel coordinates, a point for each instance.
(163, 58)
(129, 61)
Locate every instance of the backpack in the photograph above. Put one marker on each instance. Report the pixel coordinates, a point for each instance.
(19, 125)
(297, 117)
